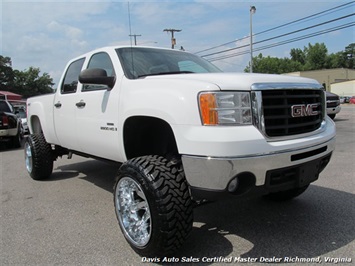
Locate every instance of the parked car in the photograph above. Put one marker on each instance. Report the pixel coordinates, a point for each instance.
(10, 125)
(21, 113)
(344, 99)
(352, 100)
(333, 104)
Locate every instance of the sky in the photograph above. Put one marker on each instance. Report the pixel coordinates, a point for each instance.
(47, 34)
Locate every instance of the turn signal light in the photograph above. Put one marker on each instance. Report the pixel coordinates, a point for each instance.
(208, 108)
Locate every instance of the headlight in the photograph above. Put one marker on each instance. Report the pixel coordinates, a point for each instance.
(225, 108)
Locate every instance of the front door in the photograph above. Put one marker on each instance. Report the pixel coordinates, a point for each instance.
(97, 114)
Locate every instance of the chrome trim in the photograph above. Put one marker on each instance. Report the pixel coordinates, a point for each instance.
(133, 211)
(28, 158)
(282, 86)
(258, 114)
(214, 173)
(299, 136)
(279, 152)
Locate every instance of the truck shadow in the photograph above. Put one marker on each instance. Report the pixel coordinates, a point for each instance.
(318, 222)
(101, 174)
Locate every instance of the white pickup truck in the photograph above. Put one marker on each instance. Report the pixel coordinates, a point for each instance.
(184, 131)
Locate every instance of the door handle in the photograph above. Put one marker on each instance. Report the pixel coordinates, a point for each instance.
(58, 105)
(80, 104)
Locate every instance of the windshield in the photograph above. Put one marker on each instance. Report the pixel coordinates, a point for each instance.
(141, 62)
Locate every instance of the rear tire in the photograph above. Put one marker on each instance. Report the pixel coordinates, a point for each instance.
(16, 141)
(38, 157)
(286, 195)
(153, 205)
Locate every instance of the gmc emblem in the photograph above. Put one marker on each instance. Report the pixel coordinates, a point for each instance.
(301, 110)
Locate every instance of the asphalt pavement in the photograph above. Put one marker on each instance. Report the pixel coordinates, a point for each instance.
(69, 219)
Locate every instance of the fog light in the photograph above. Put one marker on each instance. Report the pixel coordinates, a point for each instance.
(233, 185)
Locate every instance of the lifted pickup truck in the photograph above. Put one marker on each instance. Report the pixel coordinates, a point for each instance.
(184, 131)
(10, 125)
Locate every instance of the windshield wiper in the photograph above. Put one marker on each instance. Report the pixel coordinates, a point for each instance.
(165, 73)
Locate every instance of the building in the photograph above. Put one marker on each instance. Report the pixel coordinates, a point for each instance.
(345, 88)
(12, 97)
(327, 77)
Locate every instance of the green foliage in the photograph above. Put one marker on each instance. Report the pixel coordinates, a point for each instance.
(312, 57)
(316, 56)
(27, 83)
(274, 65)
(6, 73)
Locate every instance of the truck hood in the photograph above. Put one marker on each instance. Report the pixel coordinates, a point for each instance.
(237, 81)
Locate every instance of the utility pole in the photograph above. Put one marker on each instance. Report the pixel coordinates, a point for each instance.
(173, 40)
(135, 37)
(252, 11)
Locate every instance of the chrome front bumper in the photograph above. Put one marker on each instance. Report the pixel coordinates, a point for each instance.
(333, 110)
(211, 173)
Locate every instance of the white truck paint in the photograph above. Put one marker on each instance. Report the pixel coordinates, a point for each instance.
(183, 130)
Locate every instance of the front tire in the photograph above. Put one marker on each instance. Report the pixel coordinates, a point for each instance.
(153, 205)
(38, 157)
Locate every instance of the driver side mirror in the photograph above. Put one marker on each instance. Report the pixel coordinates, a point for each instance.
(96, 76)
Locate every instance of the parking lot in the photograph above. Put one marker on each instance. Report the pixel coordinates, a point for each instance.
(70, 220)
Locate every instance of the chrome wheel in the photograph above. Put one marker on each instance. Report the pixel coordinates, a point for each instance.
(133, 211)
(28, 157)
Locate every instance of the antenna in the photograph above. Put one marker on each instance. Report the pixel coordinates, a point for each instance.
(130, 36)
(129, 23)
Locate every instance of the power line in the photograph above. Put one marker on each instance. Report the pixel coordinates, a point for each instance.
(308, 17)
(282, 35)
(284, 42)
(283, 25)
(310, 35)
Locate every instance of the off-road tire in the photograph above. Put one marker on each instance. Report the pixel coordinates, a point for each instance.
(166, 190)
(286, 195)
(39, 157)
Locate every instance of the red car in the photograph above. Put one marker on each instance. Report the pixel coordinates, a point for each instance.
(352, 100)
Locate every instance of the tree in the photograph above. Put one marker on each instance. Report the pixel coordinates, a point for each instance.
(298, 55)
(316, 56)
(29, 82)
(350, 55)
(26, 83)
(6, 73)
(337, 60)
(274, 65)
(312, 57)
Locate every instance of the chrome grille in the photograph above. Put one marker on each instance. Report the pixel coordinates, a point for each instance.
(278, 119)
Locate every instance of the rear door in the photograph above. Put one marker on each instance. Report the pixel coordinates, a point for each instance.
(65, 107)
